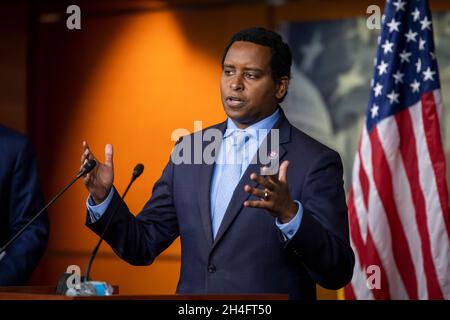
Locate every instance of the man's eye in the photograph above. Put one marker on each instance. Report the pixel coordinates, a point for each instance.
(227, 72)
(251, 76)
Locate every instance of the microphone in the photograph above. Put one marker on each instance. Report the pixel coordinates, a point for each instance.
(87, 167)
(137, 171)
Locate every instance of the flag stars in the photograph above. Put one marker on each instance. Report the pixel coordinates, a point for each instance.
(377, 89)
(415, 86)
(416, 14)
(422, 44)
(428, 74)
(433, 55)
(426, 24)
(374, 111)
(393, 97)
(387, 46)
(404, 56)
(399, 5)
(393, 25)
(418, 65)
(411, 36)
(398, 76)
(382, 68)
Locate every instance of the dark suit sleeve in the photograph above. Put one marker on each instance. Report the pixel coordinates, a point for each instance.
(25, 200)
(139, 240)
(322, 242)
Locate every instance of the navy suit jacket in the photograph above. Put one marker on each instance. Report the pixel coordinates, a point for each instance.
(20, 199)
(249, 254)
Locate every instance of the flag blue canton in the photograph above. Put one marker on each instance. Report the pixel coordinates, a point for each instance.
(406, 65)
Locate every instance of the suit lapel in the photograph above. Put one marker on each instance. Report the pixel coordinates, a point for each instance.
(204, 190)
(239, 195)
(204, 199)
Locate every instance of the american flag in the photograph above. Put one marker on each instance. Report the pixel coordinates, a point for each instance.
(398, 201)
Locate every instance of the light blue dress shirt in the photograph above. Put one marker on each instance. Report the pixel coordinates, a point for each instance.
(258, 132)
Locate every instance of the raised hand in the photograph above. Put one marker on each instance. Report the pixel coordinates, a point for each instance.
(100, 180)
(275, 196)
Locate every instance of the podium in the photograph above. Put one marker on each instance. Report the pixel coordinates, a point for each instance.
(49, 293)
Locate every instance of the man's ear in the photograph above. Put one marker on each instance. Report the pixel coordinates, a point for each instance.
(282, 87)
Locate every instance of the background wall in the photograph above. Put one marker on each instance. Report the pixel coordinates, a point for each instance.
(136, 71)
(13, 53)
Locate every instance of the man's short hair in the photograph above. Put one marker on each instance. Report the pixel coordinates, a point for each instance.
(281, 59)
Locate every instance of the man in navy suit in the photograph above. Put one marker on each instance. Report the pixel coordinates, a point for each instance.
(241, 232)
(20, 199)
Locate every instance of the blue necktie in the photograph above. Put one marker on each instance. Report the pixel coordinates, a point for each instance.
(231, 174)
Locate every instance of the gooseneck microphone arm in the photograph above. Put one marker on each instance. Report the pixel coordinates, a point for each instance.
(88, 166)
(138, 169)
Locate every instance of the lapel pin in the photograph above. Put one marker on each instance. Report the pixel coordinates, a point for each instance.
(273, 155)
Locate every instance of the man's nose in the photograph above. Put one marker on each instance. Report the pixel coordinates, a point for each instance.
(236, 84)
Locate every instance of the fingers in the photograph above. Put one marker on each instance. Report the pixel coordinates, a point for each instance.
(109, 155)
(257, 204)
(87, 151)
(87, 154)
(263, 181)
(272, 177)
(254, 191)
(283, 171)
(84, 154)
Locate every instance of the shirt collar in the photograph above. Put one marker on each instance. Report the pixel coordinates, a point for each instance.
(267, 123)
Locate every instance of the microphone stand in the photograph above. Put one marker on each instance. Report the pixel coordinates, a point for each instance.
(100, 241)
(86, 169)
(94, 287)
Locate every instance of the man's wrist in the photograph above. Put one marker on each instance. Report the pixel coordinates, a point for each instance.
(100, 200)
(290, 213)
